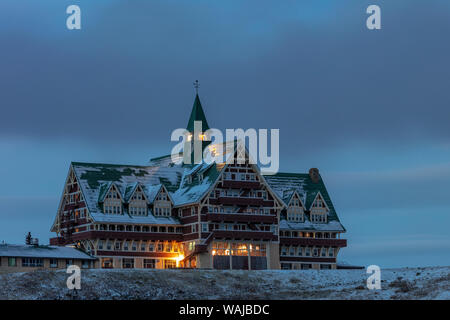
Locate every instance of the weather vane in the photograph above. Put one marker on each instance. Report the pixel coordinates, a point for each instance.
(196, 86)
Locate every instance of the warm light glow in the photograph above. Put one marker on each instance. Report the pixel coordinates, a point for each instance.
(202, 137)
(178, 259)
(213, 150)
(189, 137)
(214, 252)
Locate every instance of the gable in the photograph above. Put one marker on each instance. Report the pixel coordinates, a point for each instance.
(307, 190)
(96, 179)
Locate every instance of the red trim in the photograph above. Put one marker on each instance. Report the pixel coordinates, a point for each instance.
(138, 254)
(127, 235)
(314, 242)
(242, 217)
(241, 184)
(258, 235)
(188, 220)
(303, 259)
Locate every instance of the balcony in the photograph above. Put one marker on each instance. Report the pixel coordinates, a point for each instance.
(314, 242)
(306, 259)
(241, 201)
(257, 235)
(128, 235)
(236, 184)
(241, 217)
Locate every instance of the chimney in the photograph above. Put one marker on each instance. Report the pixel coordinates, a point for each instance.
(35, 241)
(314, 175)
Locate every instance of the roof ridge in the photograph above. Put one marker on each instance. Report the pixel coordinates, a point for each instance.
(110, 164)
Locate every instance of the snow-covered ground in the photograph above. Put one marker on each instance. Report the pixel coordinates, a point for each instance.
(404, 283)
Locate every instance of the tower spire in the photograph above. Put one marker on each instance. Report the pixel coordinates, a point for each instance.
(196, 86)
(197, 113)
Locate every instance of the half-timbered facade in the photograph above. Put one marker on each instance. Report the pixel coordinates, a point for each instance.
(220, 215)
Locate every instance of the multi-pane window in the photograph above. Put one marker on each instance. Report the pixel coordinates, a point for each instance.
(316, 252)
(53, 263)
(113, 202)
(138, 203)
(308, 251)
(128, 263)
(162, 211)
(149, 263)
(138, 211)
(318, 217)
(170, 264)
(219, 248)
(292, 251)
(32, 262)
(258, 250)
(330, 252)
(239, 249)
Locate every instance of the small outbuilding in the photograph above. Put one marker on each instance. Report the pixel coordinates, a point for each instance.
(20, 258)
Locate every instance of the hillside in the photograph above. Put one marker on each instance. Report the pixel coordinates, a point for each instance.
(404, 283)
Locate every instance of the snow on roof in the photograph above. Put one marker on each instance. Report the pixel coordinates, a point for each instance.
(32, 251)
(191, 192)
(285, 183)
(95, 179)
(308, 225)
(126, 218)
(151, 191)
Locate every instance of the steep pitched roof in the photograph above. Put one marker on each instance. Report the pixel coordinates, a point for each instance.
(284, 183)
(197, 114)
(95, 180)
(193, 190)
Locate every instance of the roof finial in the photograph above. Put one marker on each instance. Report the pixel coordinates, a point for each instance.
(196, 86)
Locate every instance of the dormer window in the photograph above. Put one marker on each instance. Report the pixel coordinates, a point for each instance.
(318, 203)
(138, 203)
(163, 204)
(113, 202)
(295, 210)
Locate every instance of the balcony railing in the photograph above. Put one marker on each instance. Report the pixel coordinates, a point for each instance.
(314, 242)
(235, 234)
(236, 184)
(94, 234)
(241, 217)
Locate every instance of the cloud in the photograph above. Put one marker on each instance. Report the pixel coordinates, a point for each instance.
(312, 70)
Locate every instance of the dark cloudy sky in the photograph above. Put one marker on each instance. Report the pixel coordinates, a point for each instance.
(370, 109)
